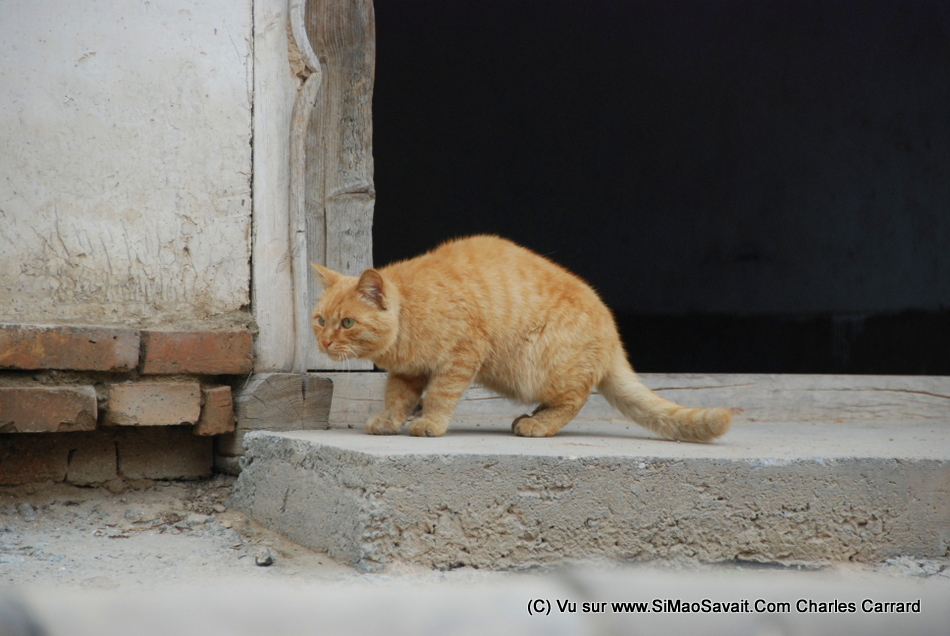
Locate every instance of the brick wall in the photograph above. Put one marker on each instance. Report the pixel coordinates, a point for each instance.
(88, 404)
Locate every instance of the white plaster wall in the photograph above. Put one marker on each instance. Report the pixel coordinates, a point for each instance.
(125, 159)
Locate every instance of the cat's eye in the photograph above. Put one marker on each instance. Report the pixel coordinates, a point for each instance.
(321, 321)
(347, 323)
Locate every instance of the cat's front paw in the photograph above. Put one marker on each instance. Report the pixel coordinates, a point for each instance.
(382, 424)
(425, 427)
(527, 426)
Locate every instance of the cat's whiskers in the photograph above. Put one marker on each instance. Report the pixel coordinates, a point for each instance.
(346, 355)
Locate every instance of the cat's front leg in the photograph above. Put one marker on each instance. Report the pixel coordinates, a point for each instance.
(402, 396)
(442, 395)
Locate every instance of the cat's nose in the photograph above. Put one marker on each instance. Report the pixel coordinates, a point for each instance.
(325, 343)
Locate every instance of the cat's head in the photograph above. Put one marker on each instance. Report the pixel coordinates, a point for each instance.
(356, 317)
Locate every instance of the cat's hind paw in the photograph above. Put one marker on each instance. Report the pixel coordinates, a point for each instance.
(424, 427)
(527, 426)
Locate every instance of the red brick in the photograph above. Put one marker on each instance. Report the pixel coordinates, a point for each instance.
(45, 409)
(68, 347)
(217, 412)
(208, 352)
(153, 403)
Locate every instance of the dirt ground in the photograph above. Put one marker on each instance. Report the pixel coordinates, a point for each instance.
(146, 535)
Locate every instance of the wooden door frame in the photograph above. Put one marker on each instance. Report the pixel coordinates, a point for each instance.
(314, 64)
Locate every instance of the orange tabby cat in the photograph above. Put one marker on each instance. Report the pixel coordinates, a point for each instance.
(482, 309)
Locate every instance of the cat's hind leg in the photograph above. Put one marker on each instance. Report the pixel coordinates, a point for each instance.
(551, 416)
(402, 396)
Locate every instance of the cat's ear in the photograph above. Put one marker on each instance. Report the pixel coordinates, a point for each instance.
(327, 277)
(370, 288)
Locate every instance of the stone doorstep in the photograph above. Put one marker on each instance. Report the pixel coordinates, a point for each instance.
(157, 352)
(489, 500)
(319, 400)
(843, 475)
(758, 397)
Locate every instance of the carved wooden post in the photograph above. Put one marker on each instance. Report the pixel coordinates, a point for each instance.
(332, 192)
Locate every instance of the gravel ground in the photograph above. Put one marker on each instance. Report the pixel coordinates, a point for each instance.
(142, 534)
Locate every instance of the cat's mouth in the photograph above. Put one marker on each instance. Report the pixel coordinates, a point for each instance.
(336, 354)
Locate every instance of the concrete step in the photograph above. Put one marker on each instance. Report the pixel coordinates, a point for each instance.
(815, 468)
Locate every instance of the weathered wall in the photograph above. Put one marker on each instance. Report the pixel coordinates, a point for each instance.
(125, 145)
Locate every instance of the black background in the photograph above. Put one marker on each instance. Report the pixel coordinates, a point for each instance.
(751, 186)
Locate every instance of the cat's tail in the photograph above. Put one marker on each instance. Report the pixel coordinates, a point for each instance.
(624, 391)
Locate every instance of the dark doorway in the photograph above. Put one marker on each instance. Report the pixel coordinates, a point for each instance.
(751, 186)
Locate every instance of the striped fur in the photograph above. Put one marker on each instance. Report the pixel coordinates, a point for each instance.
(485, 310)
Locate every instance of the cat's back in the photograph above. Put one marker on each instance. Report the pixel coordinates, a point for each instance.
(476, 257)
(491, 272)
